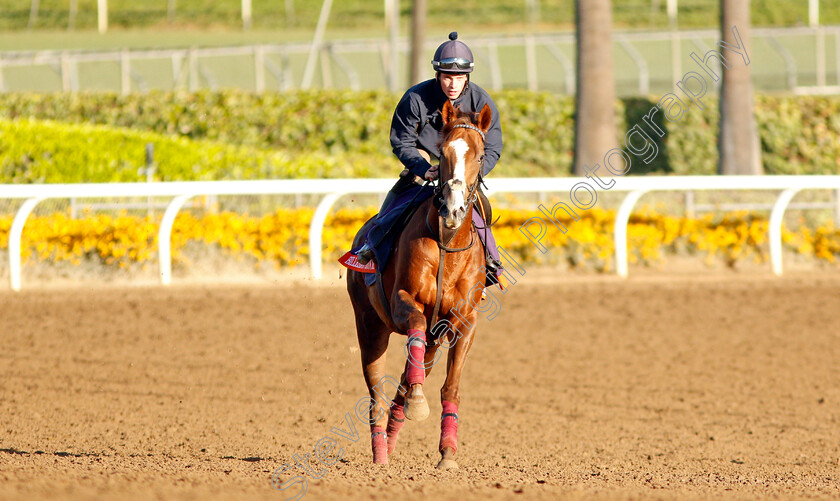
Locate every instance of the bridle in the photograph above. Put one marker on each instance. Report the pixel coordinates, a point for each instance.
(472, 190)
(472, 196)
(438, 202)
(472, 127)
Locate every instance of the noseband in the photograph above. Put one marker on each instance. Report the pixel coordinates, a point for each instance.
(472, 193)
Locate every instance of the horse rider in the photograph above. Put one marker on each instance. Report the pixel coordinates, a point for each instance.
(416, 131)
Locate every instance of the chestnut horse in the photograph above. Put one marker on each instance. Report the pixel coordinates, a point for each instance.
(431, 284)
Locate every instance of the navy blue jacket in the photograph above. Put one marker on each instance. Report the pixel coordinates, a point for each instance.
(417, 124)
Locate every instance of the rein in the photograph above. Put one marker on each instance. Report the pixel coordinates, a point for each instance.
(443, 251)
(444, 248)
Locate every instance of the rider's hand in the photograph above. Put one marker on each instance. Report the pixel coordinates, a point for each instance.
(432, 173)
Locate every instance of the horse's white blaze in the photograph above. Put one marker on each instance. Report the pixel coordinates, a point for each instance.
(461, 148)
(456, 198)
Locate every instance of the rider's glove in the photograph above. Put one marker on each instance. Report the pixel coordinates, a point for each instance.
(432, 173)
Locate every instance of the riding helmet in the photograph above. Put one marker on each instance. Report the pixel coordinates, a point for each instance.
(453, 56)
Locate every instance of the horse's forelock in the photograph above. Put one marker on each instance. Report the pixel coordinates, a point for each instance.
(462, 118)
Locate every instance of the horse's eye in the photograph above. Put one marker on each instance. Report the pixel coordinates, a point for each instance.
(481, 159)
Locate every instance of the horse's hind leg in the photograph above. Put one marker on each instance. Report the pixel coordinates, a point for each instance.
(373, 343)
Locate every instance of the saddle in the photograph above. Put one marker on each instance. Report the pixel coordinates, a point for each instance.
(385, 231)
(393, 220)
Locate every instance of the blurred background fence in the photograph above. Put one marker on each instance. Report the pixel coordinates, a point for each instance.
(290, 14)
(801, 60)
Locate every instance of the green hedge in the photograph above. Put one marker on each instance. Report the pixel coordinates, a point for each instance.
(329, 121)
(38, 151)
(335, 133)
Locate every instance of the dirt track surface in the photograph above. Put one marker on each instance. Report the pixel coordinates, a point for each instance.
(591, 388)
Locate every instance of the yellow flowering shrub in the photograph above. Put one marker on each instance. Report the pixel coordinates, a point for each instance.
(281, 237)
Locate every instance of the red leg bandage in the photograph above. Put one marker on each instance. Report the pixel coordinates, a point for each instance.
(396, 420)
(415, 371)
(378, 442)
(449, 426)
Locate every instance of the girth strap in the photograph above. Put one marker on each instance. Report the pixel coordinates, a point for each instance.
(382, 295)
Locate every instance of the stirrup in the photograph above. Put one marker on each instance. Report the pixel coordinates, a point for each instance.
(491, 265)
(491, 270)
(365, 254)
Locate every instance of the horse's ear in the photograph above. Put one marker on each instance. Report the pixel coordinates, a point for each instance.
(485, 118)
(447, 113)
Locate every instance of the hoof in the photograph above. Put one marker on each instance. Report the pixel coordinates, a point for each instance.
(447, 464)
(416, 408)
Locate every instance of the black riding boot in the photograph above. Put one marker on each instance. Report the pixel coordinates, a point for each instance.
(491, 265)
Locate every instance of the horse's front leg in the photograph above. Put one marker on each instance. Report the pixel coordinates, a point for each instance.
(396, 417)
(450, 395)
(408, 317)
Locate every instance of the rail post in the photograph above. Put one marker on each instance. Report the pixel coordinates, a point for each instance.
(165, 237)
(620, 230)
(259, 69)
(776, 217)
(316, 227)
(125, 72)
(15, 240)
